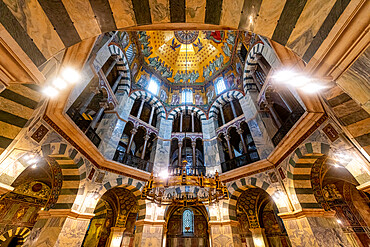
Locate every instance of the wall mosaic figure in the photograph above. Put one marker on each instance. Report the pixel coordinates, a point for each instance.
(175, 99)
(210, 95)
(198, 99)
(163, 96)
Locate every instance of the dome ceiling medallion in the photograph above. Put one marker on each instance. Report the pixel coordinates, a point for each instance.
(186, 37)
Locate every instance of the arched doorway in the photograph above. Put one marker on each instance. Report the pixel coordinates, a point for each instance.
(259, 224)
(187, 226)
(114, 221)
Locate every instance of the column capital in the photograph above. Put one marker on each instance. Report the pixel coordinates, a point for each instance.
(103, 104)
(227, 137)
(240, 131)
(94, 89)
(133, 131)
(146, 137)
(180, 143)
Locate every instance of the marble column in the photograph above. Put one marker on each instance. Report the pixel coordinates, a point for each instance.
(140, 108)
(259, 237)
(192, 122)
(59, 227)
(116, 82)
(275, 117)
(314, 227)
(222, 116)
(133, 132)
(93, 91)
(151, 115)
(255, 79)
(115, 237)
(146, 138)
(180, 152)
(233, 108)
(231, 154)
(111, 66)
(240, 132)
(97, 117)
(261, 64)
(193, 145)
(181, 119)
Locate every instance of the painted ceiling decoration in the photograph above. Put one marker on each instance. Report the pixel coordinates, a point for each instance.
(187, 57)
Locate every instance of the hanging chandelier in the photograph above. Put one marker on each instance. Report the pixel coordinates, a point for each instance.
(182, 189)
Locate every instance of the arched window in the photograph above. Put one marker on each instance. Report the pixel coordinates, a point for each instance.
(220, 86)
(187, 96)
(188, 221)
(153, 86)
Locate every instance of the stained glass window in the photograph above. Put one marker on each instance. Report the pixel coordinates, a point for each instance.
(187, 221)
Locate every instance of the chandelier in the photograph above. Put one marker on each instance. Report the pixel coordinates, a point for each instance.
(179, 187)
(182, 189)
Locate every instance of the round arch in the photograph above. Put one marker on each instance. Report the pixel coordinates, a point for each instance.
(311, 156)
(174, 111)
(223, 99)
(151, 99)
(21, 232)
(122, 66)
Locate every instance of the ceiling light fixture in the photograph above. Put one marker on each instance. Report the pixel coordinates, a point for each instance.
(70, 75)
(297, 80)
(67, 76)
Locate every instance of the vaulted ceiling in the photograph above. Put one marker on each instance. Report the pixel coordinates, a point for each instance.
(43, 28)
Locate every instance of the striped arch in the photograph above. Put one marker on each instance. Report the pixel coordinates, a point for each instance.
(133, 185)
(22, 232)
(72, 167)
(122, 66)
(236, 188)
(223, 99)
(250, 62)
(173, 112)
(151, 99)
(300, 172)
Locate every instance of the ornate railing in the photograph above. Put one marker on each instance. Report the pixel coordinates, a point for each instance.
(84, 124)
(287, 125)
(190, 170)
(133, 161)
(240, 161)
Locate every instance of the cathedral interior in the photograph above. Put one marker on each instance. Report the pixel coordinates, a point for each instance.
(190, 123)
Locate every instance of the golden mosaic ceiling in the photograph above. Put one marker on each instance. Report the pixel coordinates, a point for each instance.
(201, 53)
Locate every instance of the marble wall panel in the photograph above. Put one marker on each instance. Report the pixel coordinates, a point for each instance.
(160, 11)
(165, 129)
(162, 155)
(110, 131)
(123, 13)
(34, 20)
(222, 236)
(231, 12)
(308, 25)
(195, 11)
(315, 231)
(355, 81)
(149, 236)
(268, 17)
(82, 15)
